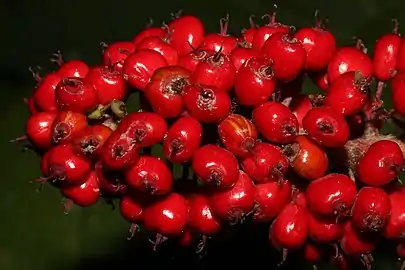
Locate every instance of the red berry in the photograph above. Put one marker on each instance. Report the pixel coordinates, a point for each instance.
(221, 42)
(264, 32)
(39, 129)
(381, 164)
(349, 59)
(395, 227)
(313, 252)
(139, 67)
(270, 199)
(85, 194)
(64, 165)
(326, 126)
(67, 125)
(288, 54)
(167, 216)
(234, 204)
(150, 175)
(324, 230)
(331, 195)
(161, 46)
(238, 135)
(298, 194)
(398, 93)
(348, 94)
(300, 106)
(149, 31)
(266, 164)
(115, 54)
(75, 94)
(255, 82)
(240, 55)
(206, 103)
(32, 107)
(89, 142)
(319, 44)
(385, 56)
(110, 183)
(371, 209)
(276, 122)
(131, 208)
(401, 57)
(192, 59)
(108, 84)
(182, 139)
(247, 35)
(215, 166)
(164, 92)
(215, 70)
(44, 95)
(72, 68)
(291, 227)
(200, 215)
(186, 33)
(320, 79)
(355, 243)
(307, 159)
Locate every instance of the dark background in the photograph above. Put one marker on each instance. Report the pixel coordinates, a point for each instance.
(34, 232)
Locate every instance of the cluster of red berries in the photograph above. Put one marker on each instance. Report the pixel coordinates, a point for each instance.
(231, 110)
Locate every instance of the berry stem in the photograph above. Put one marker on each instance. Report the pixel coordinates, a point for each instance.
(150, 23)
(118, 108)
(396, 26)
(35, 74)
(177, 14)
(223, 25)
(377, 102)
(272, 16)
(360, 45)
(103, 46)
(19, 139)
(57, 58)
(252, 22)
(318, 21)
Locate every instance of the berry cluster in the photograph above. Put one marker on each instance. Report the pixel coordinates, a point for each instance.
(230, 110)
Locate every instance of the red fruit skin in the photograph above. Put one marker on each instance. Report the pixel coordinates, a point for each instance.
(320, 46)
(150, 175)
(67, 125)
(401, 250)
(401, 57)
(234, 204)
(159, 45)
(291, 227)
(313, 252)
(371, 209)
(300, 106)
(238, 135)
(326, 127)
(206, 103)
(193, 58)
(381, 164)
(320, 79)
(116, 53)
(65, 165)
(219, 43)
(182, 139)
(355, 243)
(347, 95)
(307, 159)
(131, 208)
(144, 128)
(44, 95)
(83, 195)
(186, 33)
(395, 228)
(74, 94)
(264, 32)
(398, 90)
(139, 67)
(109, 182)
(324, 230)
(215, 166)
(89, 142)
(247, 35)
(288, 54)
(349, 59)
(160, 32)
(240, 55)
(45, 162)
(331, 195)
(255, 82)
(276, 122)
(32, 107)
(216, 70)
(73, 68)
(165, 89)
(266, 164)
(167, 216)
(270, 199)
(385, 56)
(108, 84)
(39, 129)
(201, 217)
